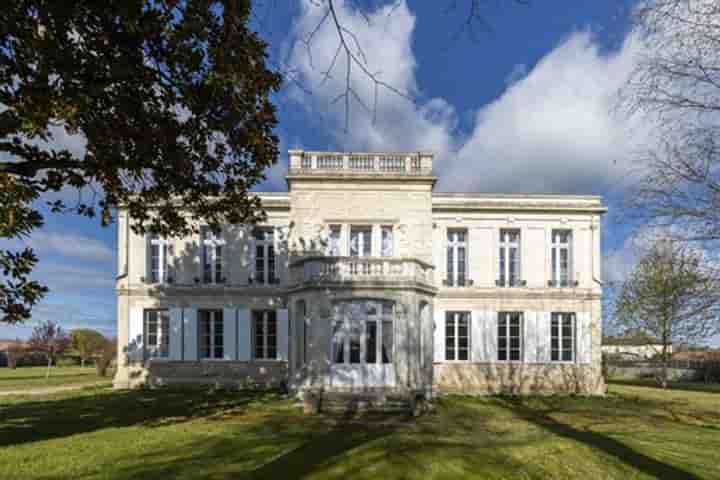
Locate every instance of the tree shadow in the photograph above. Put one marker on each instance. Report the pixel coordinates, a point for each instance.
(543, 418)
(31, 421)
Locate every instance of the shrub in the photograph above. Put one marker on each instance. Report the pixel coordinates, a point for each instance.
(105, 356)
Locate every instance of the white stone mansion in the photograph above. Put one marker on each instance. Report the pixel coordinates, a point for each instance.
(364, 278)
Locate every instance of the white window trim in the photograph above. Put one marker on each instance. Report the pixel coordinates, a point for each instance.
(163, 259)
(209, 239)
(265, 244)
(455, 244)
(161, 335)
(361, 240)
(505, 246)
(558, 246)
(573, 336)
(265, 321)
(507, 333)
(213, 320)
(456, 316)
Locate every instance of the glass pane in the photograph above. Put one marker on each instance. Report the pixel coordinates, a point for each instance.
(387, 241)
(461, 266)
(207, 266)
(338, 343)
(513, 266)
(271, 263)
(334, 241)
(449, 352)
(554, 265)
(555, 355)
(354, 347)
(450, 265)
(387, 308)
(567, 355)
(502, 266)
(367, 242)
(218, 264)
(515, 355)
(462, 354)
(370, 342)
(502, 354)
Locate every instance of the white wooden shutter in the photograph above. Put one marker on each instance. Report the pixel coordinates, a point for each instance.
(229, 333)
(531, 337)
(439, 336)
(136, 343)
(543, 337)
(190, 329)
(176, 335)
(282, 334)
(244, 335)
(148, 260)
(584, 337)
(251, 256)
(477, 341)
(490, 334)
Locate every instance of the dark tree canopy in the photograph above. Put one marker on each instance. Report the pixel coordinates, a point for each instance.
(172, 98)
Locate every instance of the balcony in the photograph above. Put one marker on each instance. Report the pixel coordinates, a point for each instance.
(319, 269)
(338, 163)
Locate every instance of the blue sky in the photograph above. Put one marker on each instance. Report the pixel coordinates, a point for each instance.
(523, 106)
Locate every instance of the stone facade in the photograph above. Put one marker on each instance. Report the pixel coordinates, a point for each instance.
(373, 281)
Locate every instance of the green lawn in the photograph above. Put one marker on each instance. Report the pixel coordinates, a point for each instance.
(636, 432)
(23, 378)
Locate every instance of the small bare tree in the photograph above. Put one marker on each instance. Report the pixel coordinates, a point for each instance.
(672, 295)
(105, 355)
(50, 339)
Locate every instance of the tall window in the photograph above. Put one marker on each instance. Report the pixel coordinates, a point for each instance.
(364, 338)
(264, 244)
(265, 334)
(456, 258)
(211, 335)
(510, 336)
(212, 256)
(457, 336)
(334, 241)
(562, 337)
(157, 333)
(160, 251)
(561, 258)
(386, 238)
(360, 241)
(509, 258)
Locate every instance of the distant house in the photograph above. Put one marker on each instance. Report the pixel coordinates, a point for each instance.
(5, 345)
(633, 346)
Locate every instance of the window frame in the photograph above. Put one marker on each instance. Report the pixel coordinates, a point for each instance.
(264, 317)
(269, 256)
(508, 337)
(556, 247)
(558, 316)
(505, 246)
(454, 245)
(164, 249)
(210, 242)
(215, 316)
(361, 241)
(456, 316)
(162, 334)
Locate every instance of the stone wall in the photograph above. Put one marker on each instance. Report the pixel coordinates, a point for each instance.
(517, 379)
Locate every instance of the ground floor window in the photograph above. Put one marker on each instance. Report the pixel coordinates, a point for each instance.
(363, 334)
(265, 334)
(510, 336)
(211, 336)
(157, 333)
(562, 337)
(457, 336)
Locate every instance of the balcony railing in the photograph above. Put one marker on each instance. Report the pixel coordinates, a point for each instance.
(352, 269)
(417, 163)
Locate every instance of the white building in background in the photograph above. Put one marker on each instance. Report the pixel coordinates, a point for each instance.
(364, 278)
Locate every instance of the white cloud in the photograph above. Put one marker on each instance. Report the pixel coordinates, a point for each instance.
(552, 130)
(69, 245)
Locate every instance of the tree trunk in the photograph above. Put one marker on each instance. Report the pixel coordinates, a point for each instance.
(82, 362)
(47, 373)
(664, 365)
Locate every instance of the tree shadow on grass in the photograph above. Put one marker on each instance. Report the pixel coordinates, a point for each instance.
(542, 418)
(36, 420)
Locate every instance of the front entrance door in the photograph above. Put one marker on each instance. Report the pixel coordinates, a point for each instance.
(363, 345)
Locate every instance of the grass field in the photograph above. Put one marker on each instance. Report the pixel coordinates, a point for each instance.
(636, 432)
(23, 378)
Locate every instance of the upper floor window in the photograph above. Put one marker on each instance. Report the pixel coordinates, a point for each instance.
(334, 249)
(456, 258)
(510, 336)
(265, 334)
(457, 336)
(157, 333)
(562, 337)
(509, 258)
(360, 241)
(211, 337)
(264, 244)
(386, 238)
(160, 251)
(212, 256)
(561, 258)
